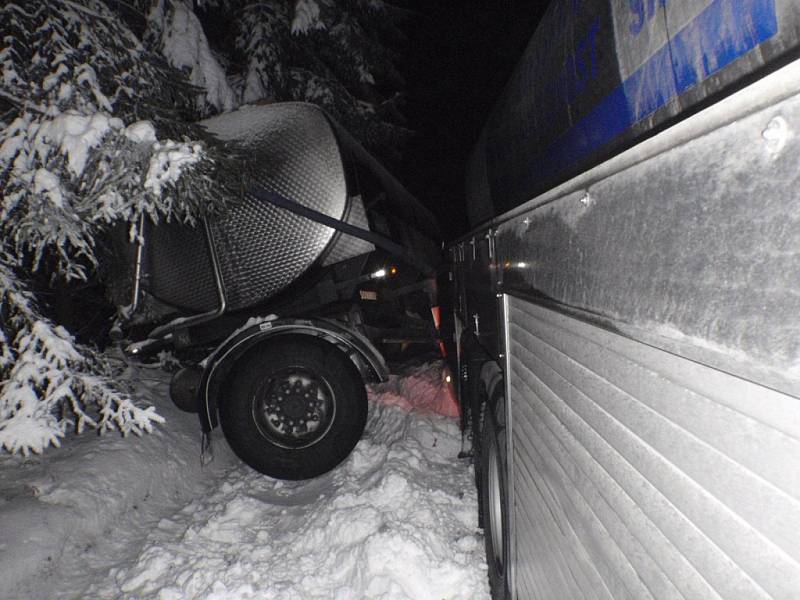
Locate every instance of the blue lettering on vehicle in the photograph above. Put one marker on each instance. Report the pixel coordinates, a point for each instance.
(578, 68)
(626, 105)
(643, 11)
(586, 58)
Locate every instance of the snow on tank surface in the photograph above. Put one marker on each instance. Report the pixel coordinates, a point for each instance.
(248, 123)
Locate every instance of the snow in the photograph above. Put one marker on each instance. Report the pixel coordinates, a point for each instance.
(185, 46)
(75, 135)
(87, 75)
(167, 163)
(421, 389)
(103, 517)
(48, 183)
(306, 17)
(141, 132)
(13, 144)
(54, 78)
(776, 135)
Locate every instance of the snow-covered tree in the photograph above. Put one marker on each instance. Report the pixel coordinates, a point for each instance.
(339, 54)
(82, 106)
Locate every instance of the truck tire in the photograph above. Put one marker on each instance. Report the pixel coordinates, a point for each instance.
(295, 409)
(493, 495)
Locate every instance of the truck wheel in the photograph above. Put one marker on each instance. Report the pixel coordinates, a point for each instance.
(493, 495)
(295, 409)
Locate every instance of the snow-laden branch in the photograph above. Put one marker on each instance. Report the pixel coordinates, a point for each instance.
(51, 383)
(176, 31)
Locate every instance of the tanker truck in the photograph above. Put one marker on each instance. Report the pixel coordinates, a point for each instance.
(281, 308)
(627, 305)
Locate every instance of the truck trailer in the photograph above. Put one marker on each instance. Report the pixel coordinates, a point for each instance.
(281, 307)
(626, 305)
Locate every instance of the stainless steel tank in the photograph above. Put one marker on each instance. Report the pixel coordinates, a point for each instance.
(260, 248)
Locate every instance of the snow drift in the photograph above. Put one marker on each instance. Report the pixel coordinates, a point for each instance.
(102, 518)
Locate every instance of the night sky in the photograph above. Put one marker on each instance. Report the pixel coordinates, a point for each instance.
(460, 54)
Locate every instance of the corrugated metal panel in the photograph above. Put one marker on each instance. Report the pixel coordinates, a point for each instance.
(640, 474)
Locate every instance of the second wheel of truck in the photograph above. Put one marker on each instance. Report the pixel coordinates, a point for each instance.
(494, 494)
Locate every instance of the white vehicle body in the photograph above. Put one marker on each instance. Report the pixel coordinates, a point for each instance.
(640, 320)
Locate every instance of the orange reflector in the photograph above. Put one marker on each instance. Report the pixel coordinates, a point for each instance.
(436, 313)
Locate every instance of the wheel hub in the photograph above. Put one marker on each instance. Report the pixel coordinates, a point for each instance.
(296, 408)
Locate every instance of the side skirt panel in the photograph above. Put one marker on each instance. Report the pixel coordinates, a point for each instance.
(637, 473)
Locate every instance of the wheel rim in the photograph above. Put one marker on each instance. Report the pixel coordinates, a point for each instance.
(294, 408)
(495, 507)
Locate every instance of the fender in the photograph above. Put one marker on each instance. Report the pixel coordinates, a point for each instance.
(367, 359)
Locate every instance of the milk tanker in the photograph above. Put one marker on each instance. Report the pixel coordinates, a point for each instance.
(280, 308)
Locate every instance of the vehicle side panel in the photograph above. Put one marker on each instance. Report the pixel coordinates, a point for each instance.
(641, 474)
(653, 363)
(696, 244)
(599, 75)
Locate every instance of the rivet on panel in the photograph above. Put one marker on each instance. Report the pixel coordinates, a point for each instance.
(776, 134)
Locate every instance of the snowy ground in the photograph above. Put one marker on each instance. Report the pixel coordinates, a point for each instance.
(140, 518)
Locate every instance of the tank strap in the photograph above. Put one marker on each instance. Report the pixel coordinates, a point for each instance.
(383, 242)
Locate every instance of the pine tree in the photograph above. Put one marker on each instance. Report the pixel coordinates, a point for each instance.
(339, 54)
(82, 106)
